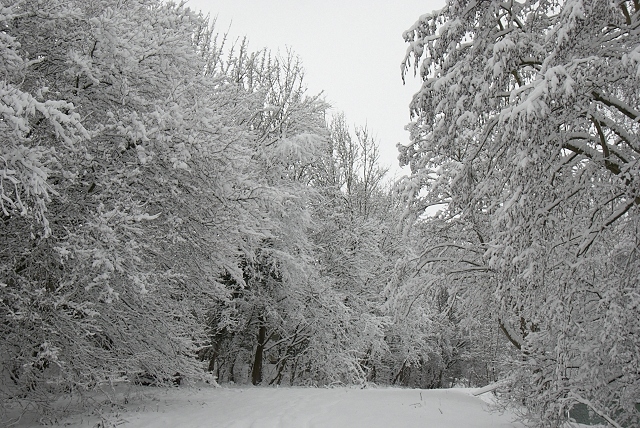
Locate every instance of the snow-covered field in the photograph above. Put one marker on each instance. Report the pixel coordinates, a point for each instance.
(245, 407)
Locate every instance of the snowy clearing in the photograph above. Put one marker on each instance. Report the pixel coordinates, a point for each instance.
(240, 407)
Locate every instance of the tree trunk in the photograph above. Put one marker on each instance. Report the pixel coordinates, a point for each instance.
(400, 377)
(256, 374)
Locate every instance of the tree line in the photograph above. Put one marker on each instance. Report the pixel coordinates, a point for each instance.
(176, 206)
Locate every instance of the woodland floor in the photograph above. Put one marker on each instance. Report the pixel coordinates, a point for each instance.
(245, 407)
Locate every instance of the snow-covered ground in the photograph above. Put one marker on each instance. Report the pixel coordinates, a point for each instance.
(245, 407)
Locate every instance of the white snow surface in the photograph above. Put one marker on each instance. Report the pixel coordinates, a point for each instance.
(250, 407)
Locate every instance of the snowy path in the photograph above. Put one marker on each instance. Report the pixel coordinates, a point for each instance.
(308, 408)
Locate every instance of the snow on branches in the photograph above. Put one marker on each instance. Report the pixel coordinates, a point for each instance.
(528, 119)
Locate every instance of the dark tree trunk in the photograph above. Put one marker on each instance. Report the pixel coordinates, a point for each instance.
(256, 374)
(401, 376)
(213, 356)
(232, 377)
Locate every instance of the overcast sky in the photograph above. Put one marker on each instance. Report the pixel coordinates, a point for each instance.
(350, 49)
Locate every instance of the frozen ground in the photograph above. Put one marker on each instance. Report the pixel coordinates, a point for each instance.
(247, 407)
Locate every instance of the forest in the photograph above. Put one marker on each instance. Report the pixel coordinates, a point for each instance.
(177, 207)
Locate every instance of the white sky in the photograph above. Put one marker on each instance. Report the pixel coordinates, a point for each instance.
(350, 49)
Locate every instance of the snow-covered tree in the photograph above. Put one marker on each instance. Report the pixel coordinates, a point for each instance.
(440, 304)
(263, 321)
(127, 192)
(357, 243)
(165, 197)
(526, 126)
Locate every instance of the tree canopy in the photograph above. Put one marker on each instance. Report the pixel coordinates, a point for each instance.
(526, 127)
(178, 208)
